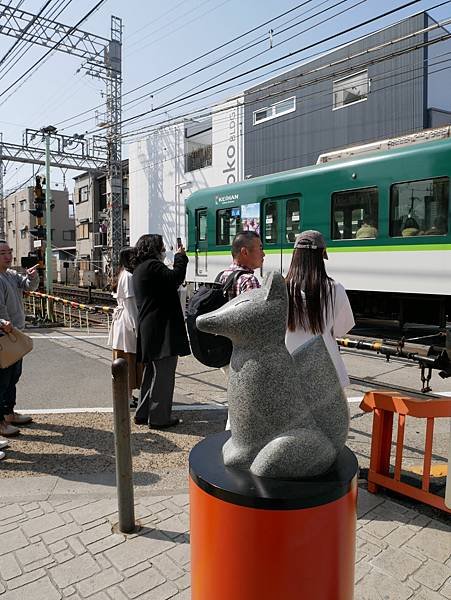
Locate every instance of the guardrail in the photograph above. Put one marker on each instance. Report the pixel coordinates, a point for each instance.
(42, 305)
(384, 405)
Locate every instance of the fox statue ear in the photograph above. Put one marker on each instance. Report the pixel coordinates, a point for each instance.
(275, 286)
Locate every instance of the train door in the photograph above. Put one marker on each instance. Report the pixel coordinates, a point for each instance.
(281, 224)
(201, 249)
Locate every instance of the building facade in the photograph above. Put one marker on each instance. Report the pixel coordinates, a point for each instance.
(90, 202)
(176, 161)
(383, 85)
(19, 222)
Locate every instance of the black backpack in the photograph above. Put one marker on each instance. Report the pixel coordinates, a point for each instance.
(209, 349)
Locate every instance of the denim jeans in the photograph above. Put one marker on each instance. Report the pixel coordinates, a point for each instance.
(8, 380)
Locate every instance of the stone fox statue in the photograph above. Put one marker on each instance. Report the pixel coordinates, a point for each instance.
(289, 416)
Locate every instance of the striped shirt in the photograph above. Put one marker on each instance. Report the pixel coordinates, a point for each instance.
(245, 282)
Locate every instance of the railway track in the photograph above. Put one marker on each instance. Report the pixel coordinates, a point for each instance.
(369, 382)
(82, 295)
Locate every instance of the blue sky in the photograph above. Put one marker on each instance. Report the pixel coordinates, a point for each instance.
(160, 36)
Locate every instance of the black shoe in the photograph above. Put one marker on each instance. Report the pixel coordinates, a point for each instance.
(140, 421)
(133, 402)
(173, 421)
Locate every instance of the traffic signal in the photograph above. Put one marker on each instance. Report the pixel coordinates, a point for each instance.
(38, 191)
(38, 211)
(39, 232)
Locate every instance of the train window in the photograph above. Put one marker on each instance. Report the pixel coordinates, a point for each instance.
(201, 225)
(228, 222)
(271, 223)
(355, 214)
(293, 221)
(419, 207)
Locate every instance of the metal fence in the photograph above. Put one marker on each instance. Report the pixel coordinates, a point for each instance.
(53, 309)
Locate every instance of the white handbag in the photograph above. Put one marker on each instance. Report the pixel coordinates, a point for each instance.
(13, 347)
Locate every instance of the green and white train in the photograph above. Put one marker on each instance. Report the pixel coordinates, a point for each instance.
(385, 215)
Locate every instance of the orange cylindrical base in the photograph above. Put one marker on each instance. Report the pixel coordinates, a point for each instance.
(242, 553)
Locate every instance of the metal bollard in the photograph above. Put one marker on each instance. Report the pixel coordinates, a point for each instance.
(124, 468)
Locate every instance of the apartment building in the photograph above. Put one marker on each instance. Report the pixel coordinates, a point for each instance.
(90, 203)
(19, 222)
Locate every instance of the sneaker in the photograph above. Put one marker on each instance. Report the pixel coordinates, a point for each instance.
(2, 455)
(3, 443)
(17, 419)
(8, 430)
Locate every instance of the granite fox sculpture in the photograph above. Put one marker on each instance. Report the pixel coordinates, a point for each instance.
(288, 413)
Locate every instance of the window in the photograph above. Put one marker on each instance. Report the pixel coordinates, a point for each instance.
(201, 225)
(355, 214)
(198, 158)
(275, 110)
(83, 231)
(69, 235)
(350, 90)
(271, 223)
(293, 220)
(228, 221)
(23, 233)
(83, 194)
(419, 207)
(23, 205)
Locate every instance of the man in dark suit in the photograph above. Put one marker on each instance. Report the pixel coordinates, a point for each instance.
(162, 334)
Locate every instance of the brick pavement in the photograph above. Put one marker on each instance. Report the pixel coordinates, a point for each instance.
(63, 547)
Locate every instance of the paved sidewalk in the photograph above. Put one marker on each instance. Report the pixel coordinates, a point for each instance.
(55, 546)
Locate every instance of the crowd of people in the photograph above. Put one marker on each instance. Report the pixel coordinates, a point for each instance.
(148, 328)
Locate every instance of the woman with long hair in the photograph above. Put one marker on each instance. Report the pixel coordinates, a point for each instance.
(318, 305)
(162, 334)
(124, 329)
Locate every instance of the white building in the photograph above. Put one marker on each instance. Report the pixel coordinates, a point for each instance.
(177, 160)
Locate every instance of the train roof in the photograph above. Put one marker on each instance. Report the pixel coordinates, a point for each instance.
(376, 156)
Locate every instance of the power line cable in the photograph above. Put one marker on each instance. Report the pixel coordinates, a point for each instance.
(264, 126)
(307, 72)
(265, 51)
(23, 48)
(191, 61)
(207, 110)
(269, 63)
(18, 41)
(215, 63)
(55, 46)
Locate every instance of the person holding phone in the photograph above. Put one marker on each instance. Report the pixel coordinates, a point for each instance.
(162, 336)
(12, 314)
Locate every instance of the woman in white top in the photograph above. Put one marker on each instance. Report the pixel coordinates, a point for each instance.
(123, 333)
(317, 303)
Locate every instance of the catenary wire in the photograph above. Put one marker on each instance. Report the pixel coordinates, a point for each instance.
(190, 62)
(283, 119)
(269, 63)
(165, 105)
(343, 60)
(54, 47)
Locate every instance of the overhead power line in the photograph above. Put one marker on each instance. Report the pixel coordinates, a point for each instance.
(344, 71)
(284, 119)
(54, 47)
(23, 48)
(192, 61)
(269, 63)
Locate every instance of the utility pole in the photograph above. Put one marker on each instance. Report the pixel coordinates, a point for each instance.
(102, 58)
(47, 133)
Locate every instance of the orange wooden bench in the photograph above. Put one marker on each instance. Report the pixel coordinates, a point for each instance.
(384, 405)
